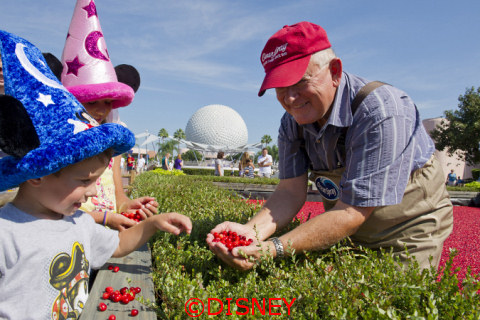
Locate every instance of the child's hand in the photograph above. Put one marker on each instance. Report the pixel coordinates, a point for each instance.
(146, 206)
(172, 222)
(132, 238)
(119, 222)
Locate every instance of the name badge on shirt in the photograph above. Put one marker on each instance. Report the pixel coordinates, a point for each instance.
(327, 188)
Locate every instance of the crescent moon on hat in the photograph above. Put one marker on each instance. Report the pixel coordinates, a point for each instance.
(30, 68)
(91, 45)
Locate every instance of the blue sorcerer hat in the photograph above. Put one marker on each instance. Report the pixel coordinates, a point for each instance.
(43, 128)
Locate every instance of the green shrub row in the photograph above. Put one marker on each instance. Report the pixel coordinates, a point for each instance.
(473, 186)
(173, 172)
(475, 174)
(208, 172)
(339, 283)
(199, 171)
(207, 175)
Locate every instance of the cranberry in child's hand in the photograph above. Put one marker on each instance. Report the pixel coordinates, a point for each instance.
(135, 216)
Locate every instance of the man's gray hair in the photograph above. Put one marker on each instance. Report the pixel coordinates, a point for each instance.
(322, 58)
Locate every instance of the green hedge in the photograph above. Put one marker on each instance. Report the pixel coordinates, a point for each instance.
(209, 172)
(207, 175)
(475, 174)
(472, 186)
(173, 172)
(339, 283)
(199, 171)
(469, 187)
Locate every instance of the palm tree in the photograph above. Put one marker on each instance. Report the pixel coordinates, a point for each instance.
(266, 139)
(162, 133)
(179, 134)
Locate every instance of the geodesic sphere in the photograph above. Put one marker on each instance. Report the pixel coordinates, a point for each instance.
(217, 125)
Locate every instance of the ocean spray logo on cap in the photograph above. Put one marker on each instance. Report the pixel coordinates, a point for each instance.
(279, 52)
(327, 188)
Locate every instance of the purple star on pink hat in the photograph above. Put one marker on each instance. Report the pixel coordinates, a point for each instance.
(74, 66)
(91, 9)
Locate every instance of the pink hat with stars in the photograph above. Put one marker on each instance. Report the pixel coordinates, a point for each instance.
(88, 72)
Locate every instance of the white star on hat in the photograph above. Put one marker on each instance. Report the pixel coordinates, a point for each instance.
(45, 99)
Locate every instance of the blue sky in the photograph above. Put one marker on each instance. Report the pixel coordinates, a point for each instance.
(194, 53)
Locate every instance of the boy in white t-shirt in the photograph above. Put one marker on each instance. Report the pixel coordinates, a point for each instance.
(56, 154)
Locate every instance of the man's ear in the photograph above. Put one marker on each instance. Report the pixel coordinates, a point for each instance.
(336, 71)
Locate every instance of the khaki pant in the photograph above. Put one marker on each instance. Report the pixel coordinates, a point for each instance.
(421, 222)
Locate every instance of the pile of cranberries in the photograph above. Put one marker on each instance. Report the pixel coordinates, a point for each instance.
(231, 239)
(124, 296)
(133, 216)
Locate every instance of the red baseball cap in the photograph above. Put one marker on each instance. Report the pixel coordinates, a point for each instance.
(287, 53)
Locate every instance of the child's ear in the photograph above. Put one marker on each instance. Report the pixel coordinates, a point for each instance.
(35, 182)
(17, 133)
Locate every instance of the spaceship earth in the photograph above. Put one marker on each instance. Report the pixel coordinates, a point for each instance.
(217, 125)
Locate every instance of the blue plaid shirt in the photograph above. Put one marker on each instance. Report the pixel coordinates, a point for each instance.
(384, 144)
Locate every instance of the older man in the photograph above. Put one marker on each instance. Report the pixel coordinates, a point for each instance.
(368, 154)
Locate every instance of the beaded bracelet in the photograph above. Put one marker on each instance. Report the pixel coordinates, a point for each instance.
(105, 216)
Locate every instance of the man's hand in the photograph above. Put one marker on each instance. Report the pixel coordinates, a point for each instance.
(236, 257)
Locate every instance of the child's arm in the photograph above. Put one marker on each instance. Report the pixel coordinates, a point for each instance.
(147, 206)
(133, 238)
(120, 195)
(113, 220)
